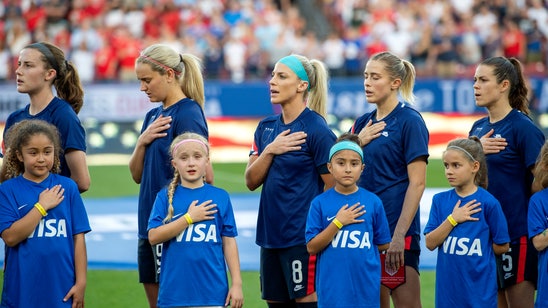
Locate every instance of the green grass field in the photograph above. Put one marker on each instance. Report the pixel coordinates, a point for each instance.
(110, 288)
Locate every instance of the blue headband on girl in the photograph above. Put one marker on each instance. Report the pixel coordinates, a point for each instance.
(296, 66)
(345, 145)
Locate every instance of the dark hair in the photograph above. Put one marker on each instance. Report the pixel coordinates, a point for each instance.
(350, 137)
(67, 81)
(18, 136)
(473, 151)
(510, 69)
(541, 167)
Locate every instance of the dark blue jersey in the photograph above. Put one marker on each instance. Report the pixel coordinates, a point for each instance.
(187, 116)
(404, 139)
(510, 177)
(293, 180)
(59, 113)
(466, 274)
(45, 260)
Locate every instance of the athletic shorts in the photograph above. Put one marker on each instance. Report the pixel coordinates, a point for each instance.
(148, 261)
(518, 264)
(412, 251)
(287, 273)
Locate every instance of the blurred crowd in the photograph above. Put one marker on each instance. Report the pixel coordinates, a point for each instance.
(242, 39)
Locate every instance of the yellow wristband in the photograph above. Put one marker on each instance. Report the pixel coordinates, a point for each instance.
(452, 220)
(188, 219)
(337, 223)
(40, 209)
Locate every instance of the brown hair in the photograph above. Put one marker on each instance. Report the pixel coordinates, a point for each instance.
(473, 151)
(67, 81)
(511, 70)
(18, 136)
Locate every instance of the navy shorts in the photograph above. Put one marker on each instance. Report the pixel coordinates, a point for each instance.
(287, 273)
(148, 261)
(520, 263)
(412, 251)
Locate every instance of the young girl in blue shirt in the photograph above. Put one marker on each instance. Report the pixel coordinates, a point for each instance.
(468, 228)
(42, 222)
(195, 222)
(538, 225)
(346, 228)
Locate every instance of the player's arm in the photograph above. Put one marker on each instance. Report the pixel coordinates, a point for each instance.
(235, 296)
(328, 180)
(79, 172)
(417, 182)
(540, 241)
(78, 290)
(499, 249)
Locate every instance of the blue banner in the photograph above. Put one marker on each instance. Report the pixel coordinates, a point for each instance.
(124, 102)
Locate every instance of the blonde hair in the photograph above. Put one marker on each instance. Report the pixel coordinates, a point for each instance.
(176, 144)
(318, 77)
(399, 68)
(18, 136)
(187, 68)
(541, 167)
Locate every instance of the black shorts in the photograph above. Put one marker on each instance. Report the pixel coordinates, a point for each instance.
(287, 273)
(148, 261)
(520, 263)
(412, 251)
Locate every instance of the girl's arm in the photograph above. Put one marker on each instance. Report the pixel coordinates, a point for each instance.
(459, 215)
(383, 247)
(79, 172)
(540, 241)
(235, 296)
(155, 130)
(417, 182)
(345, 216)
(197, 213)
(500, 249)
(258, 165)
(24, 227)
(80, 269)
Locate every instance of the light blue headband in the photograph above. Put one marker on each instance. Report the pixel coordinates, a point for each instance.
(296, 66)
(345, 145)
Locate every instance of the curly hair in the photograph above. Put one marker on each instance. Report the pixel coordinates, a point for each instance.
(18, 136)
